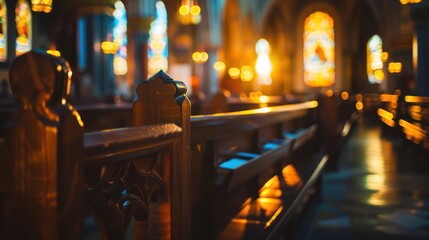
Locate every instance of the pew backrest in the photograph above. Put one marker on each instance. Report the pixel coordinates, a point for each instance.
(59, 175)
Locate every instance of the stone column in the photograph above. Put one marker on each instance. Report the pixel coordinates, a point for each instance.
(95, 25)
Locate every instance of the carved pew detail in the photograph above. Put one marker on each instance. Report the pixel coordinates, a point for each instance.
(59, 174)
(163, 100)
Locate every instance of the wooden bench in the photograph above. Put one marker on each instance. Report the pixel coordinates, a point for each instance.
(237, 159)
(56, 175)
(407, 115)
(232, 175)
(415, 121)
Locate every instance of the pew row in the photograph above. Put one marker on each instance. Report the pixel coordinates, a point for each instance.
(238, 157)
(407, 115)
(168, 176)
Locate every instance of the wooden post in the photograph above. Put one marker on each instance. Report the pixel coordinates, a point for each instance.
(44, 144)
(163, 100)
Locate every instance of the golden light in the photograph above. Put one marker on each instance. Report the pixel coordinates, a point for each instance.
(195, 10)
(41, 5)
(329, 93)
(263, 64)
(395, 67)
(109, 47)
(219, 66)
(157, 44)
(246, 73)
(204, 57)
(200, 57)
(184, 10)
(379, 74)
(344, 95)
(196, 56)
(384, 56)
(359, 105)
(120, 66)
(234, 73)
(403, 2)
(190, 12)
(264, 99)
(54, 53)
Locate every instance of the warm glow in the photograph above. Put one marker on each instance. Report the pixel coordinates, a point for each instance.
(41, 5)
(195, 10)
(329, 93)
(359, 105)
(184, 10)
(234, 73)
(200, 57)
(409, 1)
(54, 53)
(375, 58)
(379, 75)
(219, 66)
(319, 50)
(190, 12)
(384, 56)
(246, 73)
(109, 47)
(344, 95)
(264, 99)
(263, 65)
(291, 176)
(119, 66)
(395, 67)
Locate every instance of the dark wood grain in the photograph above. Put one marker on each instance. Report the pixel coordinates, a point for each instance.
(163, 100)
(44, 144)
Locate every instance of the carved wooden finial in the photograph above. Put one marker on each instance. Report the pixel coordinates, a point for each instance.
(37, 77)
(160, 100)
(163, 100)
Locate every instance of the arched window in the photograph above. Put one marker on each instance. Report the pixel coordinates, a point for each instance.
(158, 41)
(3, 31)
(374, 63)
(23, 27)
(120, 37)
(319, 50)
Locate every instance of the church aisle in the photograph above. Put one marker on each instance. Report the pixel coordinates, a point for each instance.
(381, 190)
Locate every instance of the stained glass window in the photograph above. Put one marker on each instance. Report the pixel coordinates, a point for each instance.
(3, 31)
(120, 37)
(23, 27)
(374, 66)
(158, 41)
(319, 50)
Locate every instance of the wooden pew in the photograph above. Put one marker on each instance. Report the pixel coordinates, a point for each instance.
(58, 175)
(176, 176)
(236, 159)
(415, 121)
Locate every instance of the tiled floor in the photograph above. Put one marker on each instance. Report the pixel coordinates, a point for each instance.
(381, 190)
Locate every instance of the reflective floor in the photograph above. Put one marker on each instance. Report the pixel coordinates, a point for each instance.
(381, 190)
